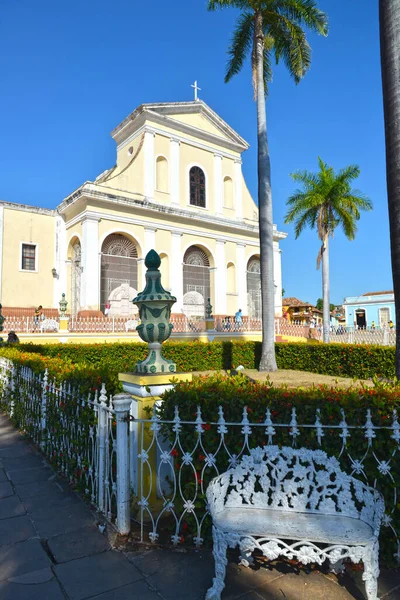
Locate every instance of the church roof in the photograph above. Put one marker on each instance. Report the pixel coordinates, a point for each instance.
(164, 113)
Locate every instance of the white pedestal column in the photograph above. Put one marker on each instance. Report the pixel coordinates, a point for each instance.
(238, 190)
(220, 279)
(242, 277)
(176, 271)
(1, 249)
(148, 148)
(218, 184)
(60, 257)
(90, 291)
(174, 167)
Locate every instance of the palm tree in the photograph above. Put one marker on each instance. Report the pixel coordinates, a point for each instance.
(389, 17)
(325, 201)
(267, 29)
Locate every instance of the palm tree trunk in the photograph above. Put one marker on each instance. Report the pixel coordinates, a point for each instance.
(326, 291)
(389, 18)
(268, 360)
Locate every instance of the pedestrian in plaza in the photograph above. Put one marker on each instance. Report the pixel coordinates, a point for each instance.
(238, 319)
(107, 309)
(373, 326)
(391, 325)
(38, 316)
(12, 338)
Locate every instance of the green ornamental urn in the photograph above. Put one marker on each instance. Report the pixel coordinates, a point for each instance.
(154, 305)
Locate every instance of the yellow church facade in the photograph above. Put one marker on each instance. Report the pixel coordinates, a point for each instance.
(177, 186)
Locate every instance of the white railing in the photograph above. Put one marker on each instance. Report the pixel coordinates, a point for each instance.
(84, 438)
(191, 453)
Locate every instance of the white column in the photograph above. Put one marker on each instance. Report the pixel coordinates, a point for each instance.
(60, 264)
(238, 190)
(149, 157)
(174, 171)
(176, 271)
(242, 277)
(278, 279)
(220, 307)
(218, 184)
(1, 249)
(90, 290)
(149, 244)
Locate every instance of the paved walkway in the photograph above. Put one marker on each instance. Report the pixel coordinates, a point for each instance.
(51, 549)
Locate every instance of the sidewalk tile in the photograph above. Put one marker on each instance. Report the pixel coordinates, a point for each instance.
(86, 577)
(21, 558)
(133, 591)
(77, 544)
(37, 488)
(40, 507)
(15, 530)
(66, 518)
(44, 591)
(3, 476)
(6, 489)
(17, 450)
(35, 474)
(11, 507)
(23, 462)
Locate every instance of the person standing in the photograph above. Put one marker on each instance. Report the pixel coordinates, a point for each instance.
(38, 315)
(238, 319)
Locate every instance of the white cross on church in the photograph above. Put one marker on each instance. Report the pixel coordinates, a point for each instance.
(196, 89)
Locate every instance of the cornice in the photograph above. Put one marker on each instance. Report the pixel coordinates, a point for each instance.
(27, 208)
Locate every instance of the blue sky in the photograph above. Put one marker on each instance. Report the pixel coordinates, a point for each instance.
(70, 72)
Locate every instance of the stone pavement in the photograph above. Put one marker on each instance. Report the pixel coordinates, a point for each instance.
(52, 549)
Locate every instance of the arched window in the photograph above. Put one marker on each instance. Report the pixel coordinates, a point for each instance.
(196, 282)
(162, 174)
(228, 192)
(119, 274)
(254, 288)
(231, 279)
(197, 182)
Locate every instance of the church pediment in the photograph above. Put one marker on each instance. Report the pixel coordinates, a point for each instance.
(191, 118)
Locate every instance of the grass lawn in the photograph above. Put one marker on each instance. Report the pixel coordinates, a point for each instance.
(293, 379)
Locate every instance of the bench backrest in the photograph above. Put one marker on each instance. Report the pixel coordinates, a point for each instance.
(291, 479)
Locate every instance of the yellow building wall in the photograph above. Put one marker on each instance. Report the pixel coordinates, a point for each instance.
(28, 288)
(130, 167)
(162, 148)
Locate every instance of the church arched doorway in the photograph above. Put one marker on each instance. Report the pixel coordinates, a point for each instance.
(196, 282)
(119, 274)
(254, 288)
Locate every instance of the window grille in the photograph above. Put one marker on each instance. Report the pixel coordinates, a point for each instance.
(197, 187)
(28, 257)
(254, 288)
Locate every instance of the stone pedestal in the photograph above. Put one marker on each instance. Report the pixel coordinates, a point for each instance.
(146, 391)
(64, 323)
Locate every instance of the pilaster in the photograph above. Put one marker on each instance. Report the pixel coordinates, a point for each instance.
(278, 279)
(149, 175)
(242, 277)
(220, 279)
(90, 291)
(176, 271)
(218, 184)
(1, 250)
(149, 244)
(238, 190)
(174, 166)
(60, 257)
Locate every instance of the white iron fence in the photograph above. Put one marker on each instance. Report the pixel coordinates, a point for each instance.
(85, 439)
(171, 490)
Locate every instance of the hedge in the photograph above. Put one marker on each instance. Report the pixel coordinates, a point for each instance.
(234, 393)
(347, 360)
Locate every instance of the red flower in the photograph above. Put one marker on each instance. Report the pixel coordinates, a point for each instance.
(206, 426)
(202, 457)
(174, 452)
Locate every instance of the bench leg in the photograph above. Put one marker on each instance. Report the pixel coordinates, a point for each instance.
(221, 560)
(336, 567)
(371, 571)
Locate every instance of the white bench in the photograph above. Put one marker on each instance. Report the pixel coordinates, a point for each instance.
(131, 325)
(48, 325)
(288, 502)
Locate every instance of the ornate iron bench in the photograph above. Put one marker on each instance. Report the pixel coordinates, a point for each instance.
(131, 325)
(49, 325)
(295, 503)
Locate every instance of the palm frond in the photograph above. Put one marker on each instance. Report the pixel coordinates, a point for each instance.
(290, 44)
(305, 12)
(241, 44)
(216, 4)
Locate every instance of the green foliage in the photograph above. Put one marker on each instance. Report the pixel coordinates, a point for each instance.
(235, 393)
(87, 364)
(320, 305)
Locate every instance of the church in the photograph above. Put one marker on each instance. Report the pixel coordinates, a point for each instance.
(177, 186)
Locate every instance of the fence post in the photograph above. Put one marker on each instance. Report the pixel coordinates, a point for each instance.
(43, 419)
(13, 372)
(113, 325)
(385, 337)
(101, 445)
(122, 407)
